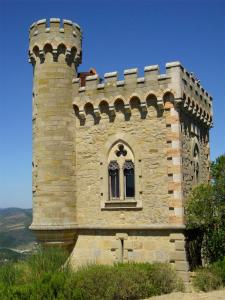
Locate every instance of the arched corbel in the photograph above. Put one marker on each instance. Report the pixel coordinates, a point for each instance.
(160, 103)
(97, 112)
(112, 111)
(82, 114)
(127, 109)
(143, 106)
(55, 54)
(42, 55)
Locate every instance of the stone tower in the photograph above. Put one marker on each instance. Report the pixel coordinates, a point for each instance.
(113, 160)
(55, 53)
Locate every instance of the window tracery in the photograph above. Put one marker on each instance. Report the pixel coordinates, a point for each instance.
(114, 188)
(121, 173)
(129, 179)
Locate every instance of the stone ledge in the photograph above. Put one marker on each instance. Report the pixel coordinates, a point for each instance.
(117, 227)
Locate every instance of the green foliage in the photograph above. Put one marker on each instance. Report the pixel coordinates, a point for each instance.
(8, 274)
(46, 260)
(43, 277)
(206, 280)
(219, 269)
(218, 168)
(211, 277)
(205, 211)
(200, 207)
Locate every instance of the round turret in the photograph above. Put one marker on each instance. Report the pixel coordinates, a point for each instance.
(55, 53)
(55, 39)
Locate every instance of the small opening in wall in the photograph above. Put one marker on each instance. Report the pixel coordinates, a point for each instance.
(171, 208)
(139, 160)
(100, 163)
(168, 125)
(122, 250)
(170, 192)
(169, 158)
(141, 192)
(101, 194)
(169, 142)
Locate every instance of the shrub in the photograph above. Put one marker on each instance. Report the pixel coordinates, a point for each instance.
(219, 269)
(122, 281)
(91, 282)
(205, 212)
(43, 277)
(207, 280)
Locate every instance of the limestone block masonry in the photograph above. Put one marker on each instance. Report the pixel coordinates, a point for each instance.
(113, 160)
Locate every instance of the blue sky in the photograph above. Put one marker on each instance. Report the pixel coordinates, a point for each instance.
(117, 34)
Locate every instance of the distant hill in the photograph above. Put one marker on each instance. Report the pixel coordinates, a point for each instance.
(14, 232)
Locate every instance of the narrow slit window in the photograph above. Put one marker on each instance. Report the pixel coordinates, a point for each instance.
(196, 164)
(114, 180)
(129, 179)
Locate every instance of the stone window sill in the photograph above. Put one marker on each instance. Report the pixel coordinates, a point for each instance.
(121, 204)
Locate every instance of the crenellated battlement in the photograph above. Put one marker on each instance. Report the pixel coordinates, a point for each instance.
(56, 37)
(184, 90)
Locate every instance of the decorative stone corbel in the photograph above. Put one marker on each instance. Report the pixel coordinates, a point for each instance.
(97, 112)
(190, 107)
(160, 103)
(194, 111)
(127, 109)
(55, 54)
(178, 102)
(82, 114)
(198, 113)
(185, 104)
(143, 107)
(112, 111)
(42, 55)
(77, 59)
(31, 58)
(68, 55)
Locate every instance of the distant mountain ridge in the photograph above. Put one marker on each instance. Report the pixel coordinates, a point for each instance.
(14, 228)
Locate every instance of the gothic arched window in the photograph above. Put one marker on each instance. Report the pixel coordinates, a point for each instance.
(114, 181)
(128, 170)
(121, 172)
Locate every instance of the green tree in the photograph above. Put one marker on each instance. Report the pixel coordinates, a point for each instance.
(205, 212)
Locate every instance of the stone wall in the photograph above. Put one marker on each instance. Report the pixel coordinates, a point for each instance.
(148, 141)
(193, 133)
(105, 246)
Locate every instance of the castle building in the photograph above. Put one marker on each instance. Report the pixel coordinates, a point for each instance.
(113, 160)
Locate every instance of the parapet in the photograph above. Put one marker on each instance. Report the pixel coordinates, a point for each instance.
(176, 84)
(57, 36)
